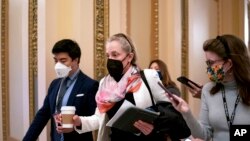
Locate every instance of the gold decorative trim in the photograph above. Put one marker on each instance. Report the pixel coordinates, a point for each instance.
(101, 33)
(5, 68)
(32, 56)
(184, 44)
(154, 29)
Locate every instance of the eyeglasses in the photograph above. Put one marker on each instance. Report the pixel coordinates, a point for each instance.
(211, 62)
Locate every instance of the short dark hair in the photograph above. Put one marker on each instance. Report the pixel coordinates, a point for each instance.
(69, 46)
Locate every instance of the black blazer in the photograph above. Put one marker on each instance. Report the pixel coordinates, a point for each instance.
(85, 106)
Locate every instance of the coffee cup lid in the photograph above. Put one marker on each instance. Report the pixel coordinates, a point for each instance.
(68, 108)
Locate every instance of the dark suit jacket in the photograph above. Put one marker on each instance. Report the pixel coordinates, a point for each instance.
(85, 106)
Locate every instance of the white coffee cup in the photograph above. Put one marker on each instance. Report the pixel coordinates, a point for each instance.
(67, 113)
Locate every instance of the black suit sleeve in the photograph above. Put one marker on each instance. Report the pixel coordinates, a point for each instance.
(40, 120)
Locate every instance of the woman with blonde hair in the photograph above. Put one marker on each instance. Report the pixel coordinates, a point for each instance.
(124, 83)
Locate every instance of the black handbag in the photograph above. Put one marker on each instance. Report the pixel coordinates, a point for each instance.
(170, 121)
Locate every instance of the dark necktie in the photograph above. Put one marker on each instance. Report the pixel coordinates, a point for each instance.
(63, 88)
(62, 91)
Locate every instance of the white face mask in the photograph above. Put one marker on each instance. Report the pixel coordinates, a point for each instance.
(62, 70)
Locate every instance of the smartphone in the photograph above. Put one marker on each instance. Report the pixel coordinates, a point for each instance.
(184, 80)
(169, 93)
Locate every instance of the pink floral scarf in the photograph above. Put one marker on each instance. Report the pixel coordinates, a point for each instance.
(111, 91)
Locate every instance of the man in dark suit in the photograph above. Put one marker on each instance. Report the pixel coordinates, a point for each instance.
(78, 90)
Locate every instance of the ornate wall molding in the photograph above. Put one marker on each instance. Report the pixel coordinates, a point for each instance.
(184, 44)
(5, 62)
(101, 33)
(5, 67)
(154, 29)
(32, 56)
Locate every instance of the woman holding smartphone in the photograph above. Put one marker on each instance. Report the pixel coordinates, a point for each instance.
(225, 101)
(193, 87)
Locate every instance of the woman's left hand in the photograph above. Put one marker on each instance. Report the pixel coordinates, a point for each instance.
(196, 91)
(144, 127)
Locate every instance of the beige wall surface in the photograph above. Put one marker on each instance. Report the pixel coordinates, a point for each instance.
(170, 36)
(42, 59)
(140, 29)
(200, 16)
(117, 16)
(74, 19)
(18, 68)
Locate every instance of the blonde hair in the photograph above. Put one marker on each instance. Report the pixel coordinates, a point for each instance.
(127, 45)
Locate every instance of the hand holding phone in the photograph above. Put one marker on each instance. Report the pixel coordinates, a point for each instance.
(184, 80)
(168, 92)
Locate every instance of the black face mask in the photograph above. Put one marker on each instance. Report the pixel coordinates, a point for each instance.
(115, 69)
(160, 75)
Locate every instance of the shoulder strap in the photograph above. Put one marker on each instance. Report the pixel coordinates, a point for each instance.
(146, 83)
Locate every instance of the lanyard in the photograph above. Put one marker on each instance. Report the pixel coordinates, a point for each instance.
(229, 120)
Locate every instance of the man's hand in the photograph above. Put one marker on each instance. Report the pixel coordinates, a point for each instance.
(60, 129)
